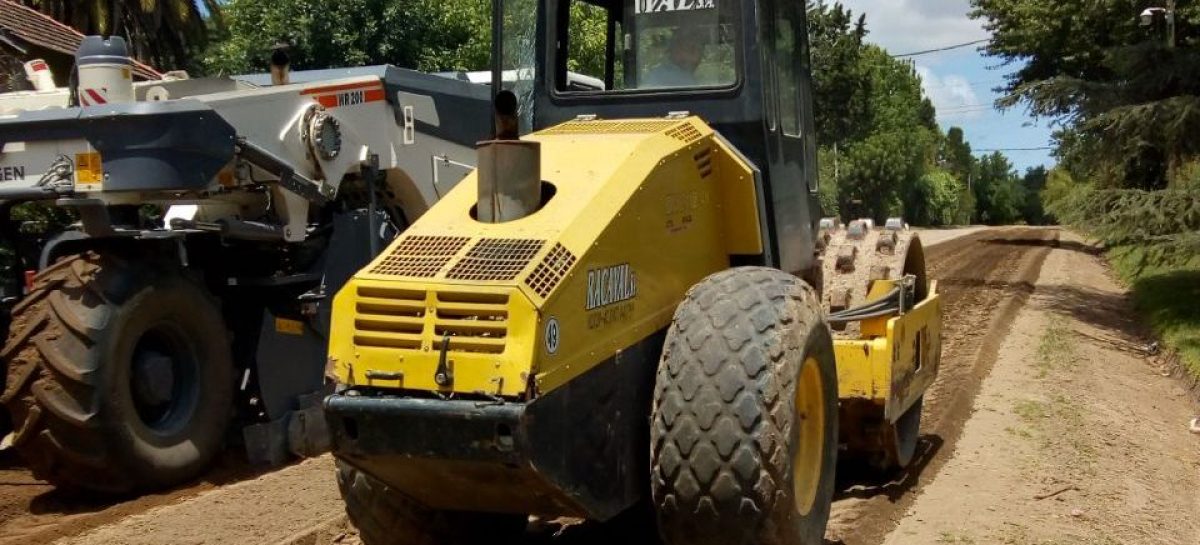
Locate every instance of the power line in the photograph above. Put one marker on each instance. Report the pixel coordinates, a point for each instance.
(940, 49)
(963, 111)
(993, 150)
(968, 108)
(972, 84)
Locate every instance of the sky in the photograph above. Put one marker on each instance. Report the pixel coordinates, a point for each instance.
(959, 82)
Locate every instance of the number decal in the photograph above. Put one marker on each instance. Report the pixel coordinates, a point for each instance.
(552, 335)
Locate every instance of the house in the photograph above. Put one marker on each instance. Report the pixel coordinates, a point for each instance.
(27, 34)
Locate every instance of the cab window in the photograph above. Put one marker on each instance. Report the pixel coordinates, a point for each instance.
(632, 45)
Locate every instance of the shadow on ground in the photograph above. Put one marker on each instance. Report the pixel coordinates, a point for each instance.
(65, 501)
(1071, 245)
(1108, 312)
(857, 481)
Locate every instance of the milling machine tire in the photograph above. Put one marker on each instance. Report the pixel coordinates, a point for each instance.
(744, 424)
(385, 516)
(5, 424)
(120, 377)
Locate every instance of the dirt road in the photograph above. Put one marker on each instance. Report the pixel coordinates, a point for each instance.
(1077, 436)
(990, 283)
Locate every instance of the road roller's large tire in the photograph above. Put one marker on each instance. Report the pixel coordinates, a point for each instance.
(744, 424)
(120, 377)
(385, 516)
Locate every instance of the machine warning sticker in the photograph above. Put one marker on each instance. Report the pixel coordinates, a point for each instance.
(351, 94)
(651, 6)
(289, 327)
(552, 335)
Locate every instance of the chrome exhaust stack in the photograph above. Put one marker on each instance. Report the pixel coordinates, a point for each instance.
(510, 169)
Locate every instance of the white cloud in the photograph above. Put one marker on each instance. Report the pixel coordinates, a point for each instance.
(904, 26)
(952, 95)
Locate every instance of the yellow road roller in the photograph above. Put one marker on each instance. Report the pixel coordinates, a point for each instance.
(633, 300)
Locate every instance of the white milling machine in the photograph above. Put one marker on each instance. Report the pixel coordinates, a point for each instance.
(144, 335)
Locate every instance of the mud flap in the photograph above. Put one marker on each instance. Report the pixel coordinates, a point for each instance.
(290, 362)
(300, 433)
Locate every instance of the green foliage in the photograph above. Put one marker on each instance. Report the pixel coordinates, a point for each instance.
(1060, 184)
(1164, 225)
(839, 78)
(999, 194)
(1032, 184)
(943, 194)
(422, 34)
(955, 154)
(1153, 241)
(875, 171)
(589, 26)
(427, 35)
(829, 175)
(1168, 300)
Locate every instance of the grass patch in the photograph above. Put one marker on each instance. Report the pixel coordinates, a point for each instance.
(1167, 297)
(1056, 348)
(1018, 432)
(955, 537)
(1030, 411)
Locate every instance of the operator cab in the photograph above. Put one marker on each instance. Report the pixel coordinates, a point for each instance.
(741, 65)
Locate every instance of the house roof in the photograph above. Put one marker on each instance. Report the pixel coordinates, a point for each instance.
(34, 27)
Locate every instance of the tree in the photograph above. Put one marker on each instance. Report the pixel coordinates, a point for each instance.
(426, 35)
(955, 154)
(1128, 102)
(878, 172)
(935, 200)
(874, 120)
(840, 79)
(422, 34)
(1032, 185)
(828, 192)
(998, 193)
(164, 33)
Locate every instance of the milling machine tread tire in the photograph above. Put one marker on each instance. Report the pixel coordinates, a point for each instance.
(119, 375)
(385, 516)
(744, 423)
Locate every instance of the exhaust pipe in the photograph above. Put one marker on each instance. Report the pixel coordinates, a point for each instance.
(105, 71)
(510, 169)
(281, 71)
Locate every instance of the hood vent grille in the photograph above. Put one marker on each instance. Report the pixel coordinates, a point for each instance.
(551, 271)
(496, 259)
(420, 256)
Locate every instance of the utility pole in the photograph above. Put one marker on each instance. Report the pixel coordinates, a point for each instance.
(836, 173)
(1171, 23)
